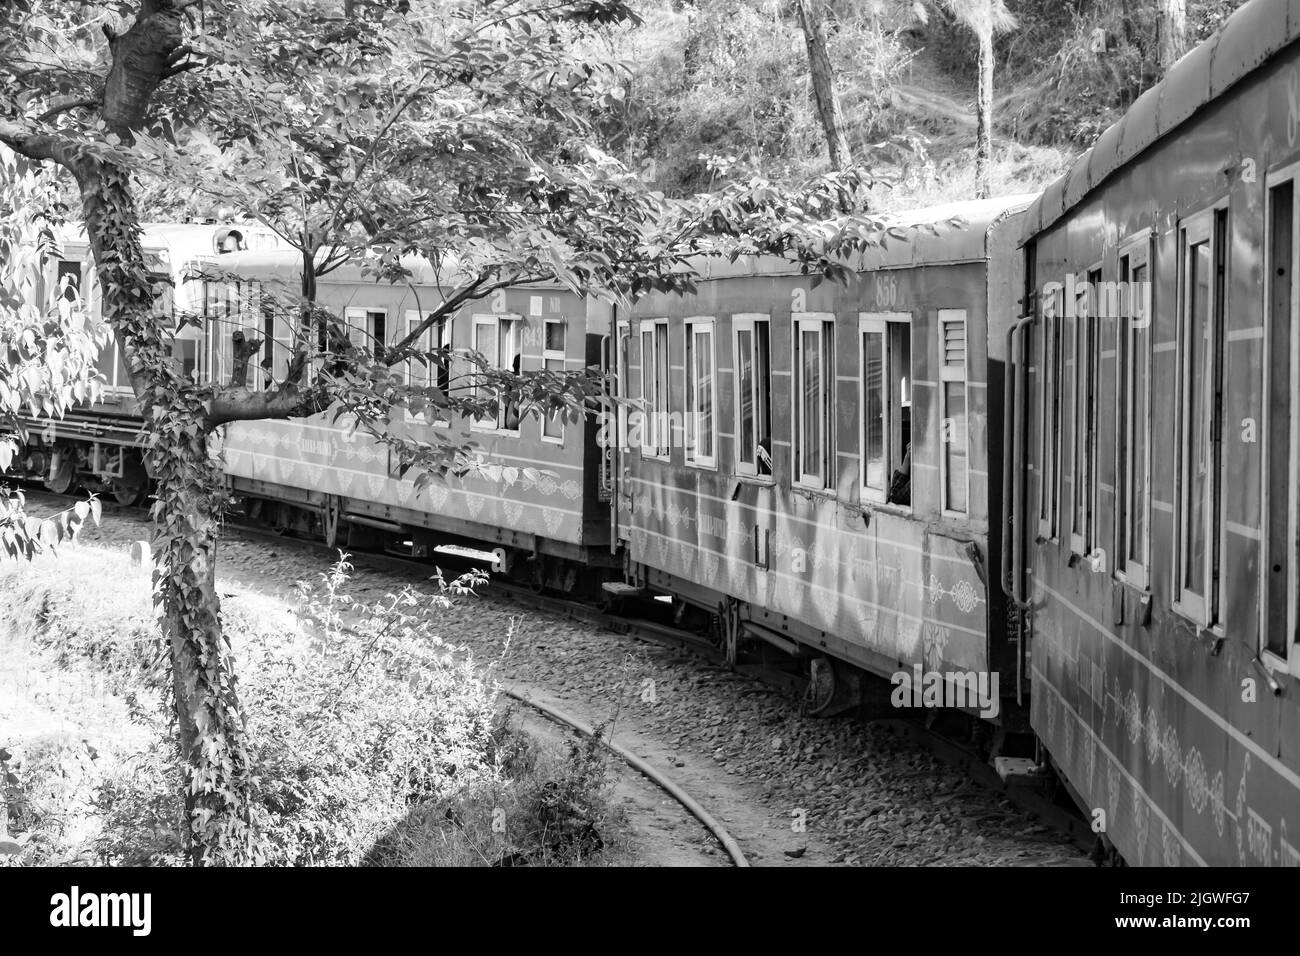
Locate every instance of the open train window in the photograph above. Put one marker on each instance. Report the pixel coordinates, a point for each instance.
(655, 427)
(814, 399)
(422, 374)
(497, 339)
(277, 340)
(367, 328)
(701, 418)
(1198, 494)
(1049, 497)
(1086, 360)
(753, 394)
(1280, 588)
(554, 348)
(955, 457)
(1133, 414)
(885, 361)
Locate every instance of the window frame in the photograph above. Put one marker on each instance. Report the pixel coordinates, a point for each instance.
(1289, 173)
(549, 356)
(951, 373)
(442, 328)
(1203, 609)
(653, 418)
(496, 425)
(1087, 379)
(879, 323)
(823, 323)
(1135, 252)
(366, 315)
(695, 328)
(1052, 305)
(741, 323)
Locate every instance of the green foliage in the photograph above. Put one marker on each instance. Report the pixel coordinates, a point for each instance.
(366, 729)
(719, 91)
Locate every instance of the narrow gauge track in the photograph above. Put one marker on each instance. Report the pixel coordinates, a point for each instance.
(951, 751)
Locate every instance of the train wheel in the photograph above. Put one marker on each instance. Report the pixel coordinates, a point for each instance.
(821, 686)
(64, 476)
(128, 496)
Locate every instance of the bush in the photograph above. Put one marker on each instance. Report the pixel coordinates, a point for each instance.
(366, 730)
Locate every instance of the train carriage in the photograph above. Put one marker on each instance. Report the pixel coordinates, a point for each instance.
(1156, 528)
(814, 463)
(99, 446)
(539, 498)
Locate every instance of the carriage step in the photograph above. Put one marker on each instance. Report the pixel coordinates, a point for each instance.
(620, 590)
(1019, 771)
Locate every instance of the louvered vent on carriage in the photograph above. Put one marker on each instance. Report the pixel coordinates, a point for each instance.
(954, 344)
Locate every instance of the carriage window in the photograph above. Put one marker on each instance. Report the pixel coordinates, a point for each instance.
(553, 352)
(701, 394)
(1133, 412)
(1200, 328)
(1282, 569)
(1049, 497)
(278, 331)
(952, 373)
(367, 327)
(753, 395)
(885, 348)
(654, 388)
(67, 288)
(1086, 357)
(814, 390)
(422, 375)
(221, 307)
(496, 338)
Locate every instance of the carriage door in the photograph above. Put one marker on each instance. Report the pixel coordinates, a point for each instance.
(1281, 563)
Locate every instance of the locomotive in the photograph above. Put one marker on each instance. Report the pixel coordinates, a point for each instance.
(1049, 454)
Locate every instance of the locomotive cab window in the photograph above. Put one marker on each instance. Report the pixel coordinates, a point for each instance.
(1198, 482)
(701, 394)
(497, 340)
(814, 391)
(954, 431)
(1133, 415)
(654, 430)
(554, 346)
(885, 399)
(753, 394)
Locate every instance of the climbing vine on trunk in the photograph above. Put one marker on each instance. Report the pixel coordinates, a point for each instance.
(186, 513)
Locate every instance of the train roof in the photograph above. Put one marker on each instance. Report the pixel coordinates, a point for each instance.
(945, 245)
(285, 265)
(171, 244)
(1255, 32)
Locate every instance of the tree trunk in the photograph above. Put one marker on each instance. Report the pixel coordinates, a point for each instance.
(823, 82)
(984, 115)
(1171, 32)
(186, 520)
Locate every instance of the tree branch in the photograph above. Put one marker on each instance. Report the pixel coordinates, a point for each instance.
(38, 146)
(79, 102)
(241, 404)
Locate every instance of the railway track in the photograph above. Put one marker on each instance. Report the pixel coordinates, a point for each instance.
(951, 751)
